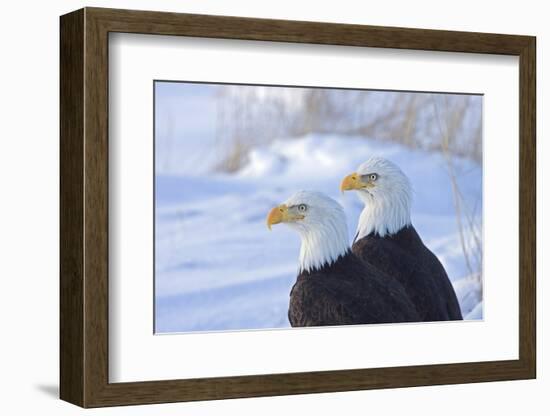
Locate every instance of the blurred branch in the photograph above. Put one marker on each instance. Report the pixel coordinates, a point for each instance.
(254, 116)
(448, 127)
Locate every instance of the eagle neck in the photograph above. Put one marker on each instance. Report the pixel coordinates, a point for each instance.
(323, 244)
(383, 215)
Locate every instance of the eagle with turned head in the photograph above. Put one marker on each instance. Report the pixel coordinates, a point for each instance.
(334, 286)
(387, 239)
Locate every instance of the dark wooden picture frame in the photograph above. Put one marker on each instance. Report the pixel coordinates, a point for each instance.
(84, 207)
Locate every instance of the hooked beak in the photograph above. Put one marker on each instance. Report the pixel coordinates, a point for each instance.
(277, 215)
(353, 182)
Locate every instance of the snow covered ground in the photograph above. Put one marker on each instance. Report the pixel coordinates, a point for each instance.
(218, 267)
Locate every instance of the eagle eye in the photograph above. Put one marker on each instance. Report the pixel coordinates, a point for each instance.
(302, 207)
(373, 176)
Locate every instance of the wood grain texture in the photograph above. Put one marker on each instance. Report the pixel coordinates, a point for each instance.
(96, 208)
(71, 208)
(528, 208)
(226, 27)
(84, 207)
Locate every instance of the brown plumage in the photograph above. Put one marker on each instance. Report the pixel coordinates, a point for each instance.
(335, 287)
(404, 256)
(348, 292)
(386, 239)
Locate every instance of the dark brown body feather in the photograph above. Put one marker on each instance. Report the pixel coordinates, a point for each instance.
(348, 292)
(404, 256)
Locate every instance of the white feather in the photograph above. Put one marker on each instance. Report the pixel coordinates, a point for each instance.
(388, 204)
(323, 230)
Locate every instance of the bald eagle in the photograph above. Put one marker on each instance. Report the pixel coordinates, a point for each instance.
(387, 239)
(334, 287)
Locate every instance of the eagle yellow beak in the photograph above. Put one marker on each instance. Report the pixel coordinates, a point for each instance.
(352, 182)
(277, 215)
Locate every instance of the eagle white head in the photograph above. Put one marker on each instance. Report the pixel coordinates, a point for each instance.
(386, 192)
(321, 223)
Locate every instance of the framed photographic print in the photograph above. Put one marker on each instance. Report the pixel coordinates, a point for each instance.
(255, 207)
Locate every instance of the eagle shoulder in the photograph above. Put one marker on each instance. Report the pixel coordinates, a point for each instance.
(314, 303)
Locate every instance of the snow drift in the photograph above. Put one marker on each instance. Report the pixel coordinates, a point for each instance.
(219, 268)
